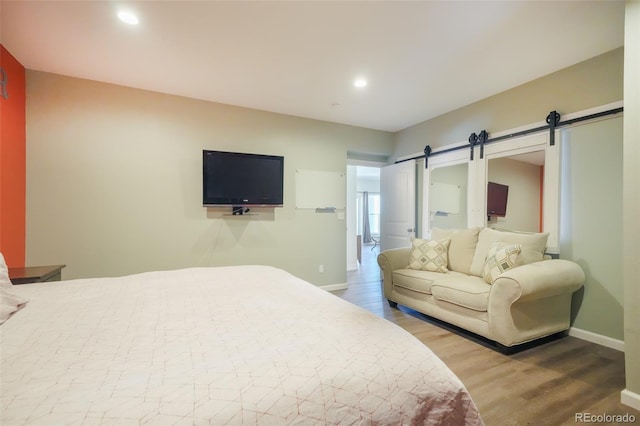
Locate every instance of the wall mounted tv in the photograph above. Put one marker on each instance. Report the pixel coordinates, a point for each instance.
(239, 179)
(497, 195)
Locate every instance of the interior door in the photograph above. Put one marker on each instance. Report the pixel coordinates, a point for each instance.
(397, 204)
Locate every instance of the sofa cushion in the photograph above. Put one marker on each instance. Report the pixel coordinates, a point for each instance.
(467, 291)
(462, 246)
(500, 258)
(429, 255)
(533, 246)
(415, 280)
(421, 281)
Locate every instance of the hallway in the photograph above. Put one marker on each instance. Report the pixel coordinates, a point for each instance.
(368, 270)
(365, 285)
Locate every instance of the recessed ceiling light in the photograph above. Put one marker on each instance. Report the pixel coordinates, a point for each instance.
(128, 17)
(360, 82)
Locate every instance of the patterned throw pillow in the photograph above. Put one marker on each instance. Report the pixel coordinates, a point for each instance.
(429, 255)
(500, 258)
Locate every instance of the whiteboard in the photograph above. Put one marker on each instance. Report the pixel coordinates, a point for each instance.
(318, 189)
(444, 198)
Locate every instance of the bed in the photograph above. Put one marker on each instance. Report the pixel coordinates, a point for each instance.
(214, 346)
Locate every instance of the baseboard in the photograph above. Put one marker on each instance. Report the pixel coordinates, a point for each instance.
(334, 287)
(597, 338)
(631, 399)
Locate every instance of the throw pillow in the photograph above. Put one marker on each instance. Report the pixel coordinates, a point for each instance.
(9, 302)
(429, 255)
(532, 246)
(4, 272)
(461, 248)
(500, 258)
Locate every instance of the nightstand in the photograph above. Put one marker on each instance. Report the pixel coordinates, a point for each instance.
(35, 274)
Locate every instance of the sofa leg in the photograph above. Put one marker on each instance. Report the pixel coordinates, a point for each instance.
(392, 303)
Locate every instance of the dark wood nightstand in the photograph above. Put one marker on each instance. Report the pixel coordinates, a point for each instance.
(35, 274)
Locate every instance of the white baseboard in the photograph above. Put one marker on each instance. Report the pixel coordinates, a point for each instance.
(631, 399)
(597, 338)
(334, 287)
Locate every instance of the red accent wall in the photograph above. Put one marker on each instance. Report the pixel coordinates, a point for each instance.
(13, 142)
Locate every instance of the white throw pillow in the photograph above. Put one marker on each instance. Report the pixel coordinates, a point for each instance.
(4, 272)
(533, 246)
(9, 302)
(429, 255)
(461, 248)
(501, 258)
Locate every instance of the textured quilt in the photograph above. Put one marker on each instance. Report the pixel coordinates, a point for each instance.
(215, 346)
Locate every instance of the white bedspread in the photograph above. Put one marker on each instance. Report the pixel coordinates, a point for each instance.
(215, 346)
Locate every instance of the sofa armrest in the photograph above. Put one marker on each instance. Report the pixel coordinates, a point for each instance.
(539, 280)
(389, 261)
(532, 301)
(393, 259)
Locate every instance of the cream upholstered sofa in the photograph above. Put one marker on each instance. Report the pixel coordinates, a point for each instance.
(493, 283)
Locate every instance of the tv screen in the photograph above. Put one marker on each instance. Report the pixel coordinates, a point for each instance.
(238, 179)
(497, 195)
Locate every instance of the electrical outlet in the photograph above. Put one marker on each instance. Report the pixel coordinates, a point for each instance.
(321, 269)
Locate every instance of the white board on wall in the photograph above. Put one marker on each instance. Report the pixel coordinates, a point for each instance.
(318, 189)
(444, 198)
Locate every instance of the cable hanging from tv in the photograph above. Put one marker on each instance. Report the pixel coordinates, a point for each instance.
(239, 210)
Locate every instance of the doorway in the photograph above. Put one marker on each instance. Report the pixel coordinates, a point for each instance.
(363, 222)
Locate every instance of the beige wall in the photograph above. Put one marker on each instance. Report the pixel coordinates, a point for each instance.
(114, 182)
(631, 201)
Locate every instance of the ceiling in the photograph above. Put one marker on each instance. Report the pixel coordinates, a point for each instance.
(421, 58)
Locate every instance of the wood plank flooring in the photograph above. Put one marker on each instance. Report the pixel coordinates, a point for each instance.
(544, 385)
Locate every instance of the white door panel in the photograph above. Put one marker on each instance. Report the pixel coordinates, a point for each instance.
(397, 204)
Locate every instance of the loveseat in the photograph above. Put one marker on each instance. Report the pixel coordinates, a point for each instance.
(496, 284)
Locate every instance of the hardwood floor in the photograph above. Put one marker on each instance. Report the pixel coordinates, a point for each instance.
(550, 384)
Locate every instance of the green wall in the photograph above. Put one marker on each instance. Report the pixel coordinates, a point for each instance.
(114, 181)
(595, 82)
(591, 222)
(631, 204)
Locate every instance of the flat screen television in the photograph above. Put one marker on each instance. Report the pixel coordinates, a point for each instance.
(497, 195)
(239, 179)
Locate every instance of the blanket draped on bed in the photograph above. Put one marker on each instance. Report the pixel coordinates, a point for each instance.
(229, 345)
